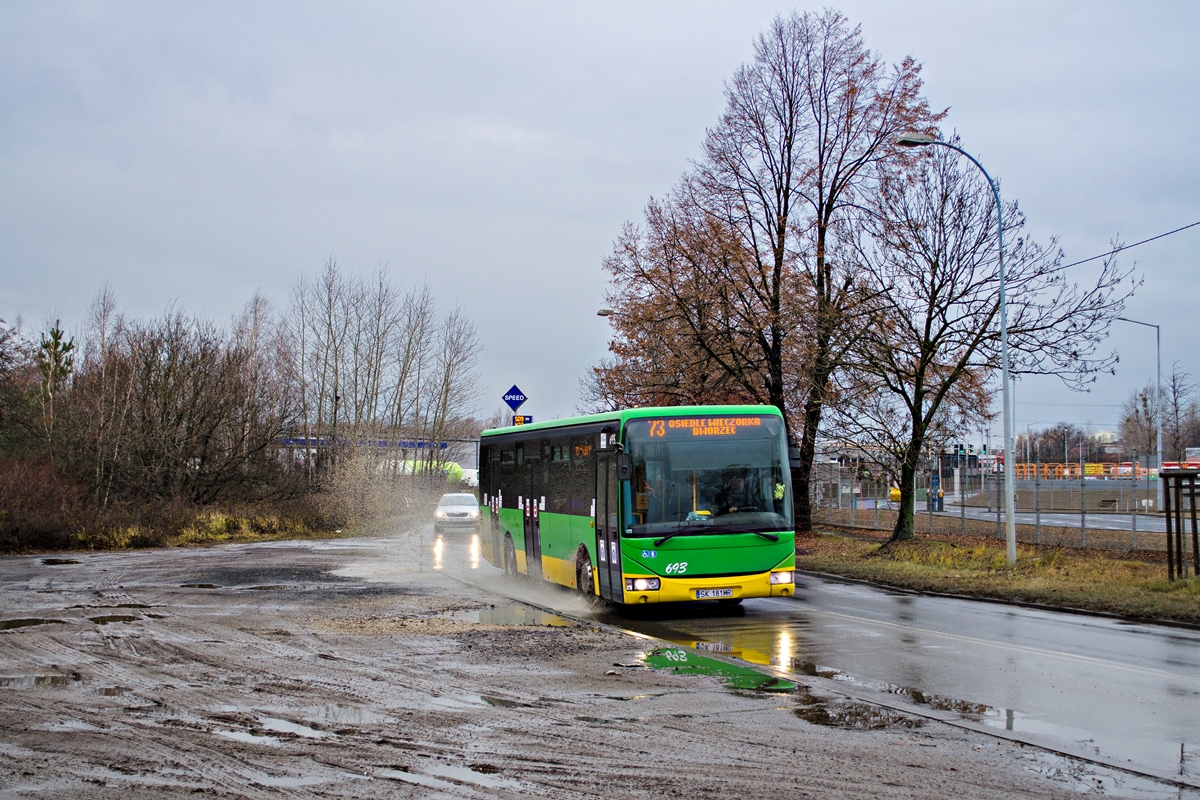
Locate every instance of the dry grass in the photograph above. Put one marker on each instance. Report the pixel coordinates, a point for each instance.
(1096, 581)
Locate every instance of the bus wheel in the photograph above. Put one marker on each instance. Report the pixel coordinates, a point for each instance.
(510, 557)
(584, 579)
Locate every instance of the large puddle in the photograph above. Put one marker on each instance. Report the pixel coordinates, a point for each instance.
(12, 624)
(25, 681)
(510, 614)
(734, 676)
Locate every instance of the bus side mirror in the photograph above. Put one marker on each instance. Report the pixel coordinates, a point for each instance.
(624, 467)
(794, 457)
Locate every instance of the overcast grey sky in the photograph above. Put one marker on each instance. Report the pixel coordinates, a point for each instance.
(195, 153)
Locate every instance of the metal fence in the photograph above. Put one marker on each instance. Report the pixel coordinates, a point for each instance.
(973, 507)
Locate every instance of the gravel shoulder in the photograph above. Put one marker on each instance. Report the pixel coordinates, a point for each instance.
(353, 668)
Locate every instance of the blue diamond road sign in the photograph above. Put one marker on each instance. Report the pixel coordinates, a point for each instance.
(514, 397)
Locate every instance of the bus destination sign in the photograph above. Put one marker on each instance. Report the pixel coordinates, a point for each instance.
(702, 426)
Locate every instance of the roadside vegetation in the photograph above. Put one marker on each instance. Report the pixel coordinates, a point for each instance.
(1100, 581)
(348, 407)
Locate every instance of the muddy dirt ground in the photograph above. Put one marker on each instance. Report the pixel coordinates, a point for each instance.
(353, 668)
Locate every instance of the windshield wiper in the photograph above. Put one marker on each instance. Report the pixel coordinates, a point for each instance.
(690, 529)
(709, 529)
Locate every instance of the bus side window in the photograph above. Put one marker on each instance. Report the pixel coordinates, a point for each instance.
(558, 489)
(583, 475)
(508, 477)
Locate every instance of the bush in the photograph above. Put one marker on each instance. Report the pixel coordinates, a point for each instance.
(38, 507)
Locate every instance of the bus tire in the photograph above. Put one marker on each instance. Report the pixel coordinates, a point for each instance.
(585, 580)
(510, 557)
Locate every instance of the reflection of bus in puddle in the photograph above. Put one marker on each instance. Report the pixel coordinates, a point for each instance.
(776, 648)
(727, 649)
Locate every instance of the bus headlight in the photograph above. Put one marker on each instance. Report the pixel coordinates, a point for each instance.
(781, 577)
(641, 584)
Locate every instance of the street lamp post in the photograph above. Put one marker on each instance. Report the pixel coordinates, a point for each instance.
(1157, 402)
(913, 139)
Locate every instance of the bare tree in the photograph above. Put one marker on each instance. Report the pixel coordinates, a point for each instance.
(375, 367)
(1139, 420)
(1177, 399)
(920, 370)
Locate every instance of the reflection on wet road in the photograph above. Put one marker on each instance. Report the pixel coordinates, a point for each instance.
(1128, 693)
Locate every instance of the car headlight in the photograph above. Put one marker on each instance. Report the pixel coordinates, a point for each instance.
(781, 577)
(439, 514)
(473, 513)
(641, 584)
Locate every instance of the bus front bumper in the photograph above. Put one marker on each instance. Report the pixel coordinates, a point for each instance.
(776, 583)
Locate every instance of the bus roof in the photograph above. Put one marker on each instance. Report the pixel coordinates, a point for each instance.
(635, 413)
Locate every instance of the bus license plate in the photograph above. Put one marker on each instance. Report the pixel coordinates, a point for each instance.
(709, 594)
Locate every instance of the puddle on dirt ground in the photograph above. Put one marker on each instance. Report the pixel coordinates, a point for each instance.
(851, 714)
(25, 681)
(420, 780)
(246, 737)
(732, 675)
(287, 726)
(114, 618)
(485, 775)
(634, 697)
(73, 725)
(344, 715)
(457, 703)
(111, 691)
(501, 702)
(11, 624)
(287, 781)
(198, 586)
(453, 779)
(54, 562)
(975, 712)
(509, 614)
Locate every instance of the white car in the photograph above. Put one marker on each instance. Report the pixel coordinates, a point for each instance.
(459, 510)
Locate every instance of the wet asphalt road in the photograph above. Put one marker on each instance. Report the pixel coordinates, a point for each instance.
(1125, 692)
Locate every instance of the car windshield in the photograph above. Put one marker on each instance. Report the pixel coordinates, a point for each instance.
(458, 500)
(704, 475)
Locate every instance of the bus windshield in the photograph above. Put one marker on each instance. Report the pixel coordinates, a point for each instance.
(708, 475)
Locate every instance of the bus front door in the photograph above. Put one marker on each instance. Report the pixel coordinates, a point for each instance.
(608, 544)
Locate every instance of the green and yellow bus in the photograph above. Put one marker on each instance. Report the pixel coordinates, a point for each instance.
(646, 505)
